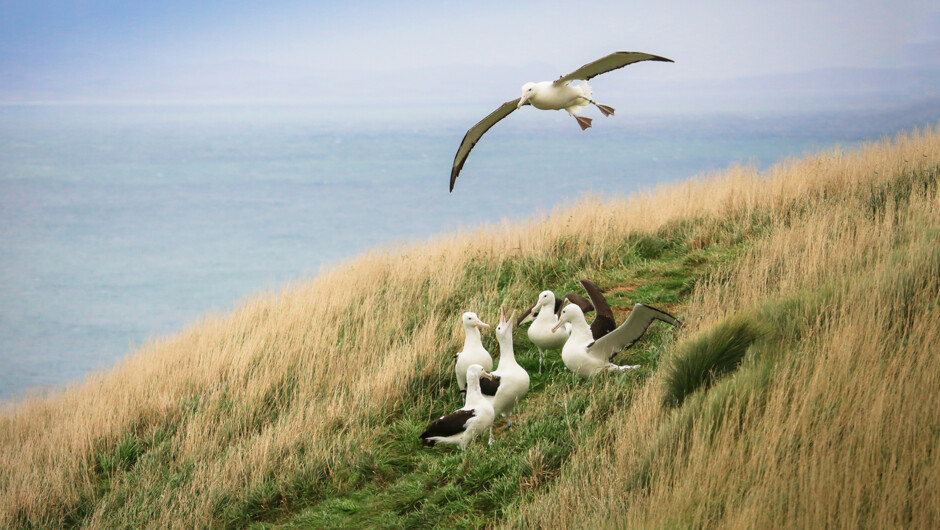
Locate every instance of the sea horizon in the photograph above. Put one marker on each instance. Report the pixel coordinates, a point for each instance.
(123, 223)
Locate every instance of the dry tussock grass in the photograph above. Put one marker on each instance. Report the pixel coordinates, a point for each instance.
(845, 433)
(291, 384)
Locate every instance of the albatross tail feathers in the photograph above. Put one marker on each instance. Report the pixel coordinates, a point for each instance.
(586, 90)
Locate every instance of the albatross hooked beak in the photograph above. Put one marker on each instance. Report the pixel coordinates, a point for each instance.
(522, 100)
(558, 325)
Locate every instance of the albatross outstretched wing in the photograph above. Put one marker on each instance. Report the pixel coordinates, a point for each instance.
(611, 62)
(474, 134)
(630, 331)
(604, 321)
(575, 299)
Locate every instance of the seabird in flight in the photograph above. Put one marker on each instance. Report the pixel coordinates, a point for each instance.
(552, 95)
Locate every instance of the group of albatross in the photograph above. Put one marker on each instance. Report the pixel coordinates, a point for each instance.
(586, 350)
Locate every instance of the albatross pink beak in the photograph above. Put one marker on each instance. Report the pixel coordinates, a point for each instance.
(558, 325)
(522, 101)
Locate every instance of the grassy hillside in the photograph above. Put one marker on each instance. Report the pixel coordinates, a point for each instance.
(803, 390)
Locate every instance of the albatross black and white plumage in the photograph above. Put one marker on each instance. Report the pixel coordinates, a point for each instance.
(588, 352)
(463, 425)
(510, 381)
(553, 95)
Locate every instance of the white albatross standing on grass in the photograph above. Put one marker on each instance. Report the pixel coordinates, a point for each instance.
(542, 332)
(552, 95)
(588, 352)
(463, 425)
(510, 381)
(473, 351)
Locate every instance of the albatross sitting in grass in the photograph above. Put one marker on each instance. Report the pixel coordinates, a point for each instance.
(553, 95)
(463, 425)
(510, 381)
(588, 351)
(473, 351)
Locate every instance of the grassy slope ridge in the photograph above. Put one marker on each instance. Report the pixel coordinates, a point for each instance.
(802, 390)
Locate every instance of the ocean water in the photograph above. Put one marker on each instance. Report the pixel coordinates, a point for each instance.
(118, 224)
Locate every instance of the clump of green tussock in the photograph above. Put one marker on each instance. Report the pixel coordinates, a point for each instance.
(704, 359)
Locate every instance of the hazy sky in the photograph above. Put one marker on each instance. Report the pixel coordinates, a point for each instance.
(95, 50)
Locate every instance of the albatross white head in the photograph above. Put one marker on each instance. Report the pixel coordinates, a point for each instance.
(470, 321)
(528, 90)
(546, 300)
(504, 329)
(474, 373)
(570, 313)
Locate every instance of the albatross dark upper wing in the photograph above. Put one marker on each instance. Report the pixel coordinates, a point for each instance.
(490, 385)
(522, 317)
(604, 322)
(579, 301)
(453, 423)
(475, 133)
(611, 62)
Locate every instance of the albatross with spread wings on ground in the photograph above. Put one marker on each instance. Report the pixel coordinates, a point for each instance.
(553, 95)
(590, 349)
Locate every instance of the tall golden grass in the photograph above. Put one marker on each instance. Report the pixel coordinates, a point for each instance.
(291, 384)
(845, 434)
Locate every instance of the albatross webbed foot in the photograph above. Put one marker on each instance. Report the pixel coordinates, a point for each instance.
(583, 122)
(605, 110)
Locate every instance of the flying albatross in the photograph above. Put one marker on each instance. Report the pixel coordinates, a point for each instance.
(552, 95)
(590, 349)
(510, 381)
(463, 425)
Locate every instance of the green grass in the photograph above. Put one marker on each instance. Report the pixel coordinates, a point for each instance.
(401, 484)
(712, 379)
(706, 358)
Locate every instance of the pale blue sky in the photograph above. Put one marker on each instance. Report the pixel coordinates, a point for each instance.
(96, 50)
